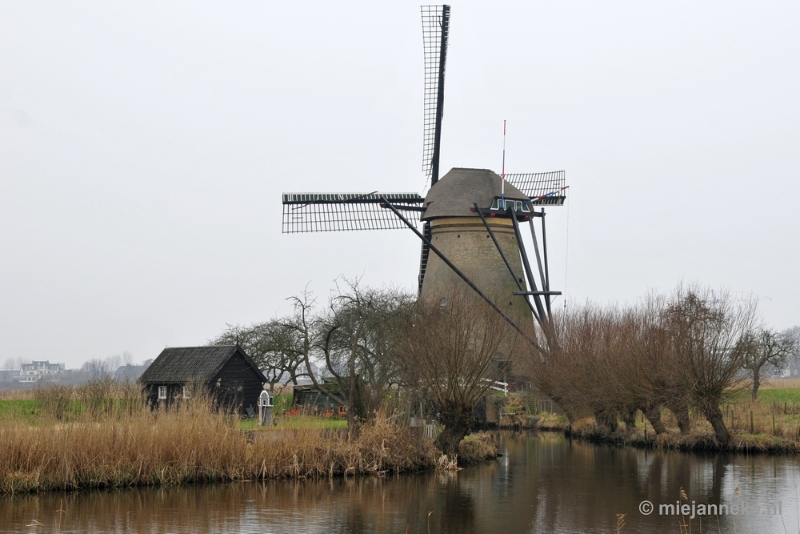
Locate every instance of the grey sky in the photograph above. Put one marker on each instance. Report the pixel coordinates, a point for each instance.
(144, 147)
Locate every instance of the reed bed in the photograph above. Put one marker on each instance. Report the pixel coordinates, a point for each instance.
(119, 442)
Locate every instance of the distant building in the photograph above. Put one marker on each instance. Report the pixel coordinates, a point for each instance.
(226, 372)
(792, 367)
(131, 372)
(38, 370)
(9, 375)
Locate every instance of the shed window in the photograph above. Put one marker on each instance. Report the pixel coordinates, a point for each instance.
(185, 392)
(162, 392)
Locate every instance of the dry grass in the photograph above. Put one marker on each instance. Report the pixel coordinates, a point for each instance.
(781, 420)
(111, 443)
(771, 383)
(775, 428)
(476, 448)
(17, 394)
(552, 422)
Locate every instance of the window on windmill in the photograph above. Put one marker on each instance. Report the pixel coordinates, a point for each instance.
(496, 204)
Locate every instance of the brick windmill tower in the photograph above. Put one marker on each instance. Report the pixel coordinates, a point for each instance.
(472, 219)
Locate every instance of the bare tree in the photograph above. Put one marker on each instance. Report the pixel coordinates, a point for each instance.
(100, 367)
(358, 339)
(793, 333)
(673, 353)
(96, 367)
(448, 349)
(113, 363)
(794, 359)
(648, 366)
(276, 347)
(767, 347)
(710, 337)
(127, 358)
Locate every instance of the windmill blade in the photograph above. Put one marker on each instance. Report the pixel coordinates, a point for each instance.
(544, 188)
(342, 212)
(435, 31)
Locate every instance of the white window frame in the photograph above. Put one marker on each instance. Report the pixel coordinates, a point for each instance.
(162, 392)
(186, 394)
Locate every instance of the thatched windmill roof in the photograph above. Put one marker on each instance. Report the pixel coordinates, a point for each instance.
(456, 192)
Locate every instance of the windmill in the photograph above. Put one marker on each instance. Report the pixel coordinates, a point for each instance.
(472, 219)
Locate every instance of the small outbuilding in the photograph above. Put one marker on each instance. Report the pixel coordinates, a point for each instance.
(310, 399)
(229, 375)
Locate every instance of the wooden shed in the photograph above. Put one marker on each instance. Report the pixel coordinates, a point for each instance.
(228, 373)
(309, 399)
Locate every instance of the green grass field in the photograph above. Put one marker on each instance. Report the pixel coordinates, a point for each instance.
(778, 395)
(295, 423)
(19, 409)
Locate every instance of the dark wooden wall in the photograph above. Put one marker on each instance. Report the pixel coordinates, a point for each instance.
(173, 391)
(237, 385)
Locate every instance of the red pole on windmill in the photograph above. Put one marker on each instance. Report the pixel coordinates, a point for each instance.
(503, 171)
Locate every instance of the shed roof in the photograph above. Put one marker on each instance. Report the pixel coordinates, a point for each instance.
(183, 364)
(456, 192)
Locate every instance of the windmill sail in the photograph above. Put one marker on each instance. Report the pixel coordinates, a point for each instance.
(342, 212)
(435, 31)
(545, 188)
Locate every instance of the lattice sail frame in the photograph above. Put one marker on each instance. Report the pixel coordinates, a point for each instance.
(435, 34)
(549, 185)
(344, 212)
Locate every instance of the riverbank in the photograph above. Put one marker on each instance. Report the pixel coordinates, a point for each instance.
(701, 438)
(194, 443)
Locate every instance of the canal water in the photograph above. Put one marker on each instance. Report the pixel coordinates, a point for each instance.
(543, 483)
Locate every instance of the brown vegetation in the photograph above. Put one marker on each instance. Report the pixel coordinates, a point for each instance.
(754, 427)
(772, 383)
(679, 352)
(115, 445)
(16, 394)
(451, 352)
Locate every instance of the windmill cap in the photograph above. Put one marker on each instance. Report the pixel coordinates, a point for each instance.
(456, 192)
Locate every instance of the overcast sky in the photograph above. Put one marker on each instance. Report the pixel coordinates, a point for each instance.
(144, 147)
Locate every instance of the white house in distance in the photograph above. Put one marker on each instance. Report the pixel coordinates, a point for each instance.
(37, 370)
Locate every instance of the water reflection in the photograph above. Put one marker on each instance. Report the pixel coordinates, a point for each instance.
(543, 483)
